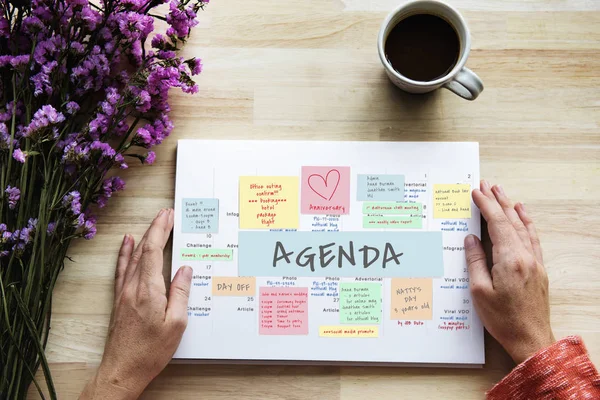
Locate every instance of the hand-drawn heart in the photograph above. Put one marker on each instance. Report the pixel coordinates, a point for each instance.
(325, 187)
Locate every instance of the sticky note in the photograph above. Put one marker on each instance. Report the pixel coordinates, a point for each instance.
(392, 222)
(283, 311)
(206, 254)
(451, 201)
(393, 254)
(349, 331)
(360, 303)
(412, 299)
(325, 190)
(233, 286)
(200, 216)
(269, 202)
(392, 208)
(380, 187)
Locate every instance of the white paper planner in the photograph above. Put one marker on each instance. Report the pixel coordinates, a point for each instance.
(331, 252)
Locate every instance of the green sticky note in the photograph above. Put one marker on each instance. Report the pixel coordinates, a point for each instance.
(360, 303)
(392, 222)
(206, 254)
(392, 208)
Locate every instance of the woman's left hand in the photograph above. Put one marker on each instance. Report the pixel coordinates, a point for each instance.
(146, 326)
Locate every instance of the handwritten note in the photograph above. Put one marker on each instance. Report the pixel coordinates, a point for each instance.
(392, 208)
(268, 202)
(283, 311)
(200, 216)
(233, 286)
(412, 299)
(206, 254)
(349, 331)
(360, 303)
(392, 222)
(325, 190)
(380, 187)
(451, 201)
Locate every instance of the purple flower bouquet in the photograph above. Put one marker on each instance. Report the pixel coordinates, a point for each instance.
(83, 88)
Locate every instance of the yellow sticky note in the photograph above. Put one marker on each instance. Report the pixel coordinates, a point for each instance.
(269, 202)
(451, 201)
(233, 285)
(349, 331)
(412, 299)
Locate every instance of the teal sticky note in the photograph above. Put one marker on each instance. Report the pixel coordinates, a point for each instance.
(360, 303)
(200, 215)
(391, 254)
(380, 187)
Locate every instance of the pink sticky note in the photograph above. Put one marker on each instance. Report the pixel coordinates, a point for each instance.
(283, 311)
(325, 190)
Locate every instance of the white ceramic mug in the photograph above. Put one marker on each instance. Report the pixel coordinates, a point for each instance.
(461, 80)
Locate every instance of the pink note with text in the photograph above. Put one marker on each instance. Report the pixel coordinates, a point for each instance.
(283, 311)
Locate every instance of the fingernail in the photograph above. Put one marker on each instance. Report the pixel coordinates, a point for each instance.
(485, 184)
(161, 212)
(187, 272)
(470, 241)
(125, 239)
(523, 207)
(500, 190)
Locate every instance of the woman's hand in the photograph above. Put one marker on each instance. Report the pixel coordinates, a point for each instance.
(146, 326)
(511, 298)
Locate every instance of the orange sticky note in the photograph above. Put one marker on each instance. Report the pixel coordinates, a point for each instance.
(412, 299)
(233, 286)
(269, 202)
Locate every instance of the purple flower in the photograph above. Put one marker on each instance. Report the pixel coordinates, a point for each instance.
(143, 101)
(150, 157)
(119, 159)
(51, 228)
(4, 137)
(89, 229)
(41, 80)
(159, 42)
(20, 61)
(2, 229)
(73, 202)
(4, 253)
(72, 107)
(181, 19)
(43, 118)
(6, 237)
(103, 148)
(91, 17)
(14, 194)
(195, 65)
(19, 155)
(79, 221)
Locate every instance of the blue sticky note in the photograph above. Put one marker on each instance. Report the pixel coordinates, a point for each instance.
(380, 187)
(200, 215)
(342, 254)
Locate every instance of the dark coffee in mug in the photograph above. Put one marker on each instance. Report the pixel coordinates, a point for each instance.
(423, 47)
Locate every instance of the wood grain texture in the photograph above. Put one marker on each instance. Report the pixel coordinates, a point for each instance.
(309, 70)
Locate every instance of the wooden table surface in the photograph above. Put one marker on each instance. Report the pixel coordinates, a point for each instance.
(281, 69)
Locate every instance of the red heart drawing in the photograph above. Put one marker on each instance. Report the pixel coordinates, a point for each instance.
(324, 187)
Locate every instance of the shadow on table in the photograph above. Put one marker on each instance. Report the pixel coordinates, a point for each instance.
(183, 381)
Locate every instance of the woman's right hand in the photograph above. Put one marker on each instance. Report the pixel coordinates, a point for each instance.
(511, 298)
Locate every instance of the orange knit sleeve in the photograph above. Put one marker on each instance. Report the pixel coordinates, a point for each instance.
(558, 372)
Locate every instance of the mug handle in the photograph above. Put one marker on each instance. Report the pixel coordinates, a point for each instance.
(466, 84)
